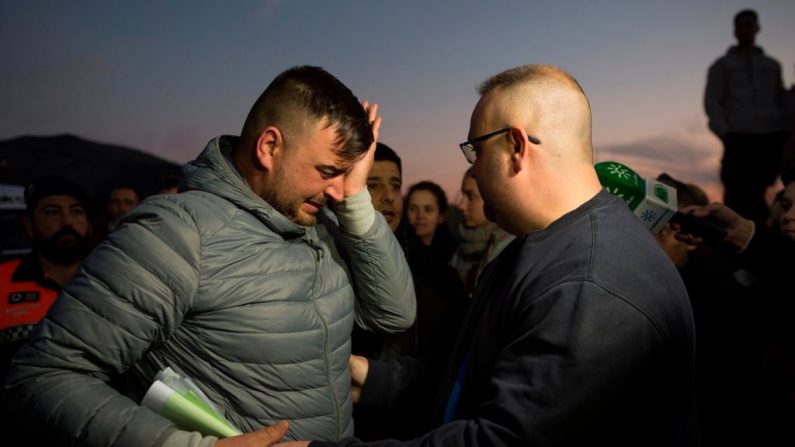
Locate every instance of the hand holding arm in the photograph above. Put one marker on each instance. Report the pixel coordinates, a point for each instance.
(739, 230)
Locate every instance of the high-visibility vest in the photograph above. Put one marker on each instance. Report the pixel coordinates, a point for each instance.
(22, 303)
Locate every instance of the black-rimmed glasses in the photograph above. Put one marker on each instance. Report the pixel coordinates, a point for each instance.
(468, 147)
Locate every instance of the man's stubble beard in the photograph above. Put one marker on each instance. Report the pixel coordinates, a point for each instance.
(279, 197)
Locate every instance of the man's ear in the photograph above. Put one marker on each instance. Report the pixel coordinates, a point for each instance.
(270, 145)
(520, 148)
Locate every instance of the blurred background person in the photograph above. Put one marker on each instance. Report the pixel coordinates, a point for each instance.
(726, 358)
(481, 239)
(441, 303)
(784, 219)
(121, 200)
(59, 228)
(745, 102)
(763, 392)
(426, 205)
(384, 183)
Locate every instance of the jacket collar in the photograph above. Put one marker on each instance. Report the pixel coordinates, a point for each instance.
(29, 269)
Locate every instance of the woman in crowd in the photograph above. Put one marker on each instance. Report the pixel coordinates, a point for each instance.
(426, 205)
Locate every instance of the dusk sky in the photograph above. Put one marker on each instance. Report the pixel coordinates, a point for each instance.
(167, 76)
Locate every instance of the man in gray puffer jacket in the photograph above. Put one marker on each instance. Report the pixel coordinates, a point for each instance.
(232, 283)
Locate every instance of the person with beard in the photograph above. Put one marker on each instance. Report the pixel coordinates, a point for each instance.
(249, 282)
(58, 226)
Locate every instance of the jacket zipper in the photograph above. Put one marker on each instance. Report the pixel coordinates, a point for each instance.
(326, 351)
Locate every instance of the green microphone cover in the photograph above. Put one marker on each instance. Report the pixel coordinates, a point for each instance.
(622, 182)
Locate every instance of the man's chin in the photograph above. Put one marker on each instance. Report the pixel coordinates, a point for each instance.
(391, 219)
(305, 219)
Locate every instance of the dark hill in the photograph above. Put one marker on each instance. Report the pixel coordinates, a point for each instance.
(97, 167)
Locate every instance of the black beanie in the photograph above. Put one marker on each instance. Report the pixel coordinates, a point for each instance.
(53, 185)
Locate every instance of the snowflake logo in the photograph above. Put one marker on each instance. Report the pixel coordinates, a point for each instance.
(648, 215)
(618, 170)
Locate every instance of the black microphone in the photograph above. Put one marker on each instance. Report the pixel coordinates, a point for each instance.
(711, 231)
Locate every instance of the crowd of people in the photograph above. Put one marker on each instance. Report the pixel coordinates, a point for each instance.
(290, 278)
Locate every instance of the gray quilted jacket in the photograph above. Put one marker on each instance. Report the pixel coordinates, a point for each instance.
(215, 283)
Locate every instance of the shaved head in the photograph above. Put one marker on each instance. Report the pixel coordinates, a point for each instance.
(542, 121)
(545, 100)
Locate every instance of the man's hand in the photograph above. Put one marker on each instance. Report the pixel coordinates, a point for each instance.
(359, 367)
(739, 230)
(356, 179)
(263, 437)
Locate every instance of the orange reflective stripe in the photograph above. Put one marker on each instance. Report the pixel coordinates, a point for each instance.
(21, 303)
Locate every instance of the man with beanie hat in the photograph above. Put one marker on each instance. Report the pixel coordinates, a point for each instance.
(57, 225)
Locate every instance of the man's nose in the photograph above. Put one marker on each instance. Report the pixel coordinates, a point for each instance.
(67, 220)
(334, 190)
(389, 196)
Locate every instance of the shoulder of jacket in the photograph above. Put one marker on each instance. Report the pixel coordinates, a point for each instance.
(205, 211)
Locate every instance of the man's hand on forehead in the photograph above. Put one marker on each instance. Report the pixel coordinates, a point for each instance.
(356, 178)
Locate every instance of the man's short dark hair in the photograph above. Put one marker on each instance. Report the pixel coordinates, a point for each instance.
(302, 95)
(385, 153)
(53, 185)
(123, 185)
(746, 14)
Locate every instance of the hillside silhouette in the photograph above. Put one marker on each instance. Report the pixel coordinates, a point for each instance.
(95, 166)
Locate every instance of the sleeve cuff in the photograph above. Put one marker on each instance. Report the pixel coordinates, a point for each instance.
(356, 213)
(377, 380)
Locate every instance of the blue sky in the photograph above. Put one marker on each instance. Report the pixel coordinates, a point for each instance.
(167, 76)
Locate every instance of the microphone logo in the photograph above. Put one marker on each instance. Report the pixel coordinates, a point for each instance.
(653, 202)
